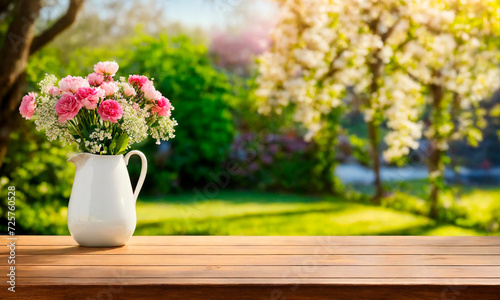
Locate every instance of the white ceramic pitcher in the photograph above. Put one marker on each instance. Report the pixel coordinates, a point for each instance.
(101, 210)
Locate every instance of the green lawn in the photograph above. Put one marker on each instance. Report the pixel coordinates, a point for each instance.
(252, 213)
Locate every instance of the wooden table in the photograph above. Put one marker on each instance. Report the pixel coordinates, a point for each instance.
(238, 267)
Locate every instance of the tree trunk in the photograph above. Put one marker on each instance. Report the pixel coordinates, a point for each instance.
(373, 136)
(433, 166)
(9, 114)
(326, 156)
(373, 133)
(16, 45)
(434, 161)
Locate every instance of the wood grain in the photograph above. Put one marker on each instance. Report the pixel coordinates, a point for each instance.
(58, 240)
(195, 281)
(257, 260)
(256, 250)
(238, 267)
(211, 270)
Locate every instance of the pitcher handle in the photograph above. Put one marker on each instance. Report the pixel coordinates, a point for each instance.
(144, 168)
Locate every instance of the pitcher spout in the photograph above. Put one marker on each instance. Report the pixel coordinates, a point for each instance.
(79, 159)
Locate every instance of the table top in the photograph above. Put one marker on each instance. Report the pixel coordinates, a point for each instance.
(245, 261)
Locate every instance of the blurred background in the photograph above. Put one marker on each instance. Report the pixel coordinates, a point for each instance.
(233, 169)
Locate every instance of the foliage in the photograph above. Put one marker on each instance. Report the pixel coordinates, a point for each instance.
(42, 177)
(276, 162)
(200, 95)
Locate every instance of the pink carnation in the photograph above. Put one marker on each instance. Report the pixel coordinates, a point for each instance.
(128, 90)
(150, 93)
(110, 110)
(109, 88)
(54, 91)
(106, 67)
(28, 106)
(67, 107)
(95, 79)
(162, 107)
(137, 80)
(72, 84)
(89, 97)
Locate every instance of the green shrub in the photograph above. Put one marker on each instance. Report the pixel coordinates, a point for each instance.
(279, 163)
(200, 94)
(39, 171)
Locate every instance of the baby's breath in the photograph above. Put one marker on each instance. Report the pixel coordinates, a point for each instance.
(164, 131)
(134, 122)
(48, 82)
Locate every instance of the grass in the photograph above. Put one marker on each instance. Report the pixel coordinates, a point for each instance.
(254, 213)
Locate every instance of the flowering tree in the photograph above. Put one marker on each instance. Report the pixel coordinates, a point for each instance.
(236, 52)
(325, 48)
(453, 54)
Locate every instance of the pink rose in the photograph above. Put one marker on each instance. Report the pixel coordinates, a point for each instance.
(128, 90)
(54, 91)
(110, 110)
(109, 88)
(28, 106)
(150, 93)
(95, 79)
(106, 68)
(67, 107)
(89, 97)
(162, 107)
(138, 80)
(72, 84)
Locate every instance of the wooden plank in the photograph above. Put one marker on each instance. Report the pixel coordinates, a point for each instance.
(256, 292)
(258, 268)
(254, 250)
(256, 260)
(406, 281)
(261, 271)
(274, 240)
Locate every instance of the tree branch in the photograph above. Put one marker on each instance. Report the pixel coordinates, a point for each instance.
(331, 69)
(59, 26)
(389, 32)
(15, 50)
(413, 77)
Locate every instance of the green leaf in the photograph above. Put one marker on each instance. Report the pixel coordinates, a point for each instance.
(72, 131)
(82, 147)
(85, 132)
(112, 147)
(121, 144)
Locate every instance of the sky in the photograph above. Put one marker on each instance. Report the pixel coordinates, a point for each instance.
(215, 13)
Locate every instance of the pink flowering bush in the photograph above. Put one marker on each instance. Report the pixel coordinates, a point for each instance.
(101, 115)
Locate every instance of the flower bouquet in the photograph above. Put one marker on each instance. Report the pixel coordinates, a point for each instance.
(101, 115)
(104, 117)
